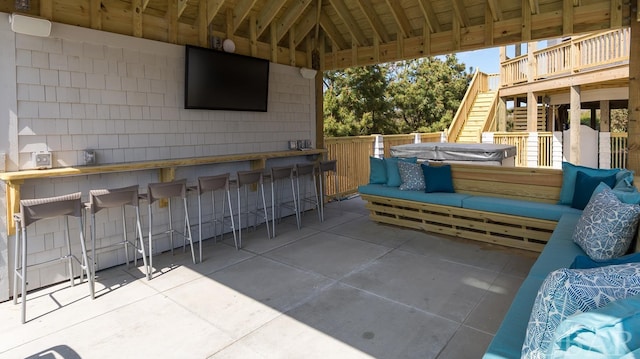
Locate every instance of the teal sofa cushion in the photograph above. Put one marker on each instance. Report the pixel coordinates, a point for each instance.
(585, 185)
(607, 332)
(393, 173)
(516, 207)
(437, 178)
(569, 173)
(584, 262)
(445, 199)
(377, 171)
(631, 196)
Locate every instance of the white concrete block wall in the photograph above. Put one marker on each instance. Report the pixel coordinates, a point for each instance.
(123, 97)
(557, 150)
(532, 149)
(604, 149)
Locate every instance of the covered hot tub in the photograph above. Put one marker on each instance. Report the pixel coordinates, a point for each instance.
(479, 153)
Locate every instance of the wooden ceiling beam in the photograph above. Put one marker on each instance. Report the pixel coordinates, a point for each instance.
(136, 21)
(290, 17)
(526, 21)
(356, 32)
(268, 13)
(145, 3)
(494, 7)
(241, 11)
(172, 21)
(95, 7)
(182, 5)
(213, 7)
(203, 25)
(401, 18)
(332, 31)
(535, 6)
(429, 16)
(374, 21)
(460, 13)
(305, 25)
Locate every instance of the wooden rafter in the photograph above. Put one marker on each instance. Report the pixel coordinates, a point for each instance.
(460, 12)
(145, 3)
(534, 5)
(343, 12)
(96, 14)
(305, 25)
(332, 31)
(494, 7)
(241, 11)
(172, 21)
(374, 21)
(213, 6)
(136, 11)
(401, 18)
(182, 5)
(203, 25)
(267, 15)
(429, 16)
(290, 17)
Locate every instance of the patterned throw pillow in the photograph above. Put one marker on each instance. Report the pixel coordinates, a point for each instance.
(607, 226)
(411, 175)
(569, 291)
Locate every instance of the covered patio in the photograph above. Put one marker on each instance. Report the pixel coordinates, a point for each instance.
(343, 288)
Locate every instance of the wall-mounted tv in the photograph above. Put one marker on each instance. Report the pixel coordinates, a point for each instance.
(216, 80)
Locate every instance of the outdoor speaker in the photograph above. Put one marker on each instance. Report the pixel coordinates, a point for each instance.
(28, 25)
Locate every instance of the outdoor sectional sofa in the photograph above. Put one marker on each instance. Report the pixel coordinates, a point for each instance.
(515, 207)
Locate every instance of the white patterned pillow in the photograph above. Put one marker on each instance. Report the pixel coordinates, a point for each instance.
(411, 175)
(569, 291)
(607, 226)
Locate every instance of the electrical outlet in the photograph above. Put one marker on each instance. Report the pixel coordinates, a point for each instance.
(41, 159)
(89, 157)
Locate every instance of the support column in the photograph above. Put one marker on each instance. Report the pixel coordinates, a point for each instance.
(605, 116)
(502, 114)
(633, 141)
(532, 100)
(574, 125)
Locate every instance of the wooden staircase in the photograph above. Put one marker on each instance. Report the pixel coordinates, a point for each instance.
(471, 130)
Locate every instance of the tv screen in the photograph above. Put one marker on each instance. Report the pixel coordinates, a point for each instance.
(216, 80)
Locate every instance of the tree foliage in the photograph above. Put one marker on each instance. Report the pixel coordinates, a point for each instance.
(409, 96)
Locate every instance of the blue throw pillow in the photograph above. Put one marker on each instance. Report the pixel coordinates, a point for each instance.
(606, 227)
(378, 171)
(566, 292)
(569, 172)
(393, 174)
(437, 178)
(625, 196)
(607, 332)
(585, 185)
(624, 181)
(584, 262)
(412, 177)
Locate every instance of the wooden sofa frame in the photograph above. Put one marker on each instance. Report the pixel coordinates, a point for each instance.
(529, 184)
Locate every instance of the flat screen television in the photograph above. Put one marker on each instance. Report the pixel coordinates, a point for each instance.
(216, 80)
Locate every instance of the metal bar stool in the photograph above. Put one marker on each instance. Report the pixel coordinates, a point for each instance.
(306, 173)
(278, 176)
(244, 180)
(100, 199)
(33, 210)
(169, 190)
(328, 168)
(212, 184)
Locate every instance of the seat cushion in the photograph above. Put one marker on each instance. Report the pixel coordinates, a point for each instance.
(515, 207)
(569, 173)
(445, 199)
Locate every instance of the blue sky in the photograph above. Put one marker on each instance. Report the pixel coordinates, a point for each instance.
(487, 60)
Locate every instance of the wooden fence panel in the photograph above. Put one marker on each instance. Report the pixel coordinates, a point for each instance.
(395, 140)
(352, 155)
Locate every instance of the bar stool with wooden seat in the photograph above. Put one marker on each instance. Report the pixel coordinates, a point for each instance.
(212, 184)
(33, 210)
(326, 169)
(306, 173)
(100, 199)
(278, 176)
(245, 180)
(169, 191)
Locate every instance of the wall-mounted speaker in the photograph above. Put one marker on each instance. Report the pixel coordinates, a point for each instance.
(29, 25)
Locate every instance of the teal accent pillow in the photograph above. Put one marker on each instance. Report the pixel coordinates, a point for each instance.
(412, 177)
(585, 185)
(624, 181)
(566, 292)
(393, 174)
(606, 227)
(437, 178)
(607, 332)
(584, 262)
(569, 172)
(378, 171)
(625, 196)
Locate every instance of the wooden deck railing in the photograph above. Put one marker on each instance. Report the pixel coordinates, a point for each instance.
(518, 139)
(352, 155)
(545, 149)
(597, 51)
(395, 140)
(480, 82)
(619, 150)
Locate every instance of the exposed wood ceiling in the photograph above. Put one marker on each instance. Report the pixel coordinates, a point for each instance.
(345, 32)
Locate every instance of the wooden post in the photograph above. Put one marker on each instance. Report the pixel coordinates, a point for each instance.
(605, 116)
(574, 123)
(532, 99)
(633, 141)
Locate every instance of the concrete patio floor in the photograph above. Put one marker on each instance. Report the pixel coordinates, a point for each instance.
(343, 288)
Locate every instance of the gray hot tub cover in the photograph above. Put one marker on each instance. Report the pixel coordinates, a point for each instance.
(438, 151)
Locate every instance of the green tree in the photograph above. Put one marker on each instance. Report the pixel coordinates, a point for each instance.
(427, 92)
(355, 101)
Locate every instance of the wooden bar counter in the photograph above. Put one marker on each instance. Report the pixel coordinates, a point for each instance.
(166, 167)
